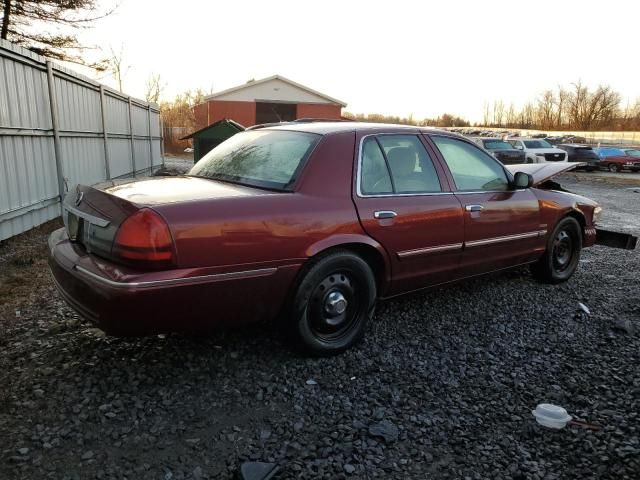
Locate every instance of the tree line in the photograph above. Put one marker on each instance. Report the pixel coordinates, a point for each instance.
(444, 120)
(576, 107)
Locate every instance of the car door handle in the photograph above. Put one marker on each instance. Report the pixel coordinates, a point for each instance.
(473, 208)
(382, 214)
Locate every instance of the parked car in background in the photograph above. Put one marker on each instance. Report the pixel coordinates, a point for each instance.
(616, 159)
(554, 140)
(308, 224)
(582, 154)
(502, 150)
(538, 150)
(632, 152)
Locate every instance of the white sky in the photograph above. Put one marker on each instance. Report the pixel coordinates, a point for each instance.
(393, 57)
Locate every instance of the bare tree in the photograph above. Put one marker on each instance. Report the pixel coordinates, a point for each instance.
(595, 109)
(117, 66)
(561, 101)
(498, 113)
(154, 88)
(486, 120)
(545, 110)
(25, 22)
(512, 116)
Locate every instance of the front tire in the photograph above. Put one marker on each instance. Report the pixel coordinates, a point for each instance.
(334, 300)
(613, 168)
(562, 256)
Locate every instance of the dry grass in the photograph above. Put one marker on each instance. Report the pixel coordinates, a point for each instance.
(23, 270)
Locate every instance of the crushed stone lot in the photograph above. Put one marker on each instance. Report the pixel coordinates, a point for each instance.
(442, 387)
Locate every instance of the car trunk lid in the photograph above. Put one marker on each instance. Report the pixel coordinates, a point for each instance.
(164, 190)
(92, 215)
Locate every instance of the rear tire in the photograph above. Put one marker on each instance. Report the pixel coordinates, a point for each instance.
(334, 300)
(562, 256)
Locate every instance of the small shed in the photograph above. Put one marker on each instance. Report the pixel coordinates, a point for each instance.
(207, 138)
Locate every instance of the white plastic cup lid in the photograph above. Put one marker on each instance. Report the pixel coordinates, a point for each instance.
(550, 415)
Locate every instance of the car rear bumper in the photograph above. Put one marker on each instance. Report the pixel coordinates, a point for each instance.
(168, 301)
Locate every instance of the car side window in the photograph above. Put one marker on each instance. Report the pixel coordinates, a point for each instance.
(405, 157)
(374, 175)
(472, 169)
(411, 167)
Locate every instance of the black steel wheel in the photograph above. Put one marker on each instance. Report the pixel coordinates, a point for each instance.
(562, 255)
(335, 298)
(613, 167)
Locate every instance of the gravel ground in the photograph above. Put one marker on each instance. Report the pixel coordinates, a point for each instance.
(442, 387)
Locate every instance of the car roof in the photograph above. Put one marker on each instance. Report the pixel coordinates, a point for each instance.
(326, 128)
(578, 145)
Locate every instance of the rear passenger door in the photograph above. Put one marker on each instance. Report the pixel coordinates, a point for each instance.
(405, 203)
(501, 224)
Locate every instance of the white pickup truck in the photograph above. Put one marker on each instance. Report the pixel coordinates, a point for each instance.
(538, 150)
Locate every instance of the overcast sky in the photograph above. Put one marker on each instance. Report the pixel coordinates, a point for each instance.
(393, 57)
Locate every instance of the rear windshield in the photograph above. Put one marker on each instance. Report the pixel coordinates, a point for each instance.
(497, 145)
(258, 158)
(537, 144)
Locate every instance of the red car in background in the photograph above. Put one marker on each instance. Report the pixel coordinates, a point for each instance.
(310, 223)
(618, 159)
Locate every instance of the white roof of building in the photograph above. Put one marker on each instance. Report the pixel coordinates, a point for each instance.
(275, 88)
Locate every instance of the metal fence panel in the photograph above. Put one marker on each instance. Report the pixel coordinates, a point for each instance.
(76, 152)
(24, 97)
(117, 113)
(28, 179)
(143, 155)
(78, 106)
(120, 157)
(140, 120)
(58, 129)
(156, 148)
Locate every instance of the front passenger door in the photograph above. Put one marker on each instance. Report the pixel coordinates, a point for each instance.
(501, 224)
(404, 202)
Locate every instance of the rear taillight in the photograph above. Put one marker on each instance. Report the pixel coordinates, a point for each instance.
(144, 238)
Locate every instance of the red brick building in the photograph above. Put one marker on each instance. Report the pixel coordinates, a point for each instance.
(271, 99)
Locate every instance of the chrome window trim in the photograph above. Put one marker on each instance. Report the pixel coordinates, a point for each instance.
(376, 195)
(505, 238)
(178, 281)
(423, 251)
(100, 222)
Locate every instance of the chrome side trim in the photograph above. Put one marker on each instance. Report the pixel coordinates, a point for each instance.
(473, 192)
(100, 222)
(506, 238)
(427, 250)
(262, 272)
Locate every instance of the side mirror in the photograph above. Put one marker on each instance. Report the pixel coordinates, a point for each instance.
(522, 180)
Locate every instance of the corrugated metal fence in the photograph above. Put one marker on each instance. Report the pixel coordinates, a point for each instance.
(58, 129)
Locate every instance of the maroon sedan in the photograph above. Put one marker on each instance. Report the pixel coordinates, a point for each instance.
(310, 223)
